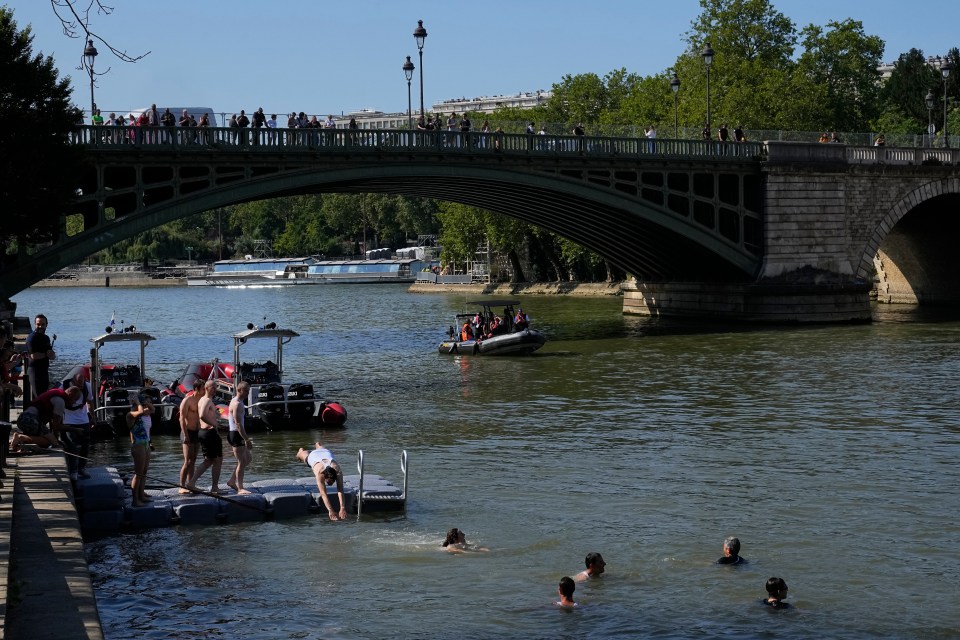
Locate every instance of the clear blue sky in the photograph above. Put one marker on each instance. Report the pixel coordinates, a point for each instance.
(326, 57)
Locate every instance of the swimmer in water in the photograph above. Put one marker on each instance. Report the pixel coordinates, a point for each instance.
(456, 542)
(565, 591)
(731, 552)
(776, 594)
(595, 567)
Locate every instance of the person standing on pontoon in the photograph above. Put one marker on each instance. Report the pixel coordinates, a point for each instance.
(210, 441)
(190, 434)
(237, 437)
(327, 471)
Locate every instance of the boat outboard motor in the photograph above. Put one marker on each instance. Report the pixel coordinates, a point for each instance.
(301, 413)
(117, 402)
(272, 412)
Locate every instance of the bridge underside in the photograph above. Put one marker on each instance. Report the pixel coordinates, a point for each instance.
(679, 220)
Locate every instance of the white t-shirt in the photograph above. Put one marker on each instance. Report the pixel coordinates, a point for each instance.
(78, 415)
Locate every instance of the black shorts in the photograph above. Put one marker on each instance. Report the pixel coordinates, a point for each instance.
(211, 444)
(235, 439)
(193, 437)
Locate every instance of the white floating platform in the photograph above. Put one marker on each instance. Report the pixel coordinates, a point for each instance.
(105, 504)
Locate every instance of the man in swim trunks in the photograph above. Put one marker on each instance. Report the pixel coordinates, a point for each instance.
(595, 567)
(327, 471)
(210, 441)
(237, 437)
(190, 434)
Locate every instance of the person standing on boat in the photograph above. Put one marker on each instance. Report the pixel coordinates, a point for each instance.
(210, 441)
(190, 434)
(327, 471)
(237, 437)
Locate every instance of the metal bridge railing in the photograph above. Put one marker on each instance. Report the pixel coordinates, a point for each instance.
(359, 140)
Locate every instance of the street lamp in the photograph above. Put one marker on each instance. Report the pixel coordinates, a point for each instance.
(945, 70)
(707, 54)
(408, 72)
(675, 86)
(931, 100)
(420, 34)
(189, 255)
(90, 56)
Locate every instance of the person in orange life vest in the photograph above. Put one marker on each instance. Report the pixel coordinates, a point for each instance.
(466, 333)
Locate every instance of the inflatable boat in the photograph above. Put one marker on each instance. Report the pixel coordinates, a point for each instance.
(271, 403)
(485, 333)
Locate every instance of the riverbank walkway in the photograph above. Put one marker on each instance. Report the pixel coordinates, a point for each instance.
(45, 587)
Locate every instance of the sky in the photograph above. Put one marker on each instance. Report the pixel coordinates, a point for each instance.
(335, 57)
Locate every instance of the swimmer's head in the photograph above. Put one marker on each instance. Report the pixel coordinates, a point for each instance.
(731, 547)
(567, 587)
(454, 536)
(595, 560)
(777, 588)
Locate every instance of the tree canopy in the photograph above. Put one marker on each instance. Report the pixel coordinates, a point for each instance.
(37, 164)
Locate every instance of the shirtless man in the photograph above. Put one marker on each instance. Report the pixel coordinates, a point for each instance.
(595, 567)
(210, 441)
(327, 471)
(237, 437)
(190, 434)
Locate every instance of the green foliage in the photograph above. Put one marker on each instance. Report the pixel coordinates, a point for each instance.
(37, 164)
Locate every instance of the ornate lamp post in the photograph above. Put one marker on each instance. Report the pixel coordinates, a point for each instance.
(90, 56)
(675, 86)
(408, 72)
(931, 100)
(707, 54)
(945, 68)
(420, 34)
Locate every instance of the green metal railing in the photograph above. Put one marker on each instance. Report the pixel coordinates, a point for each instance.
(358, 140)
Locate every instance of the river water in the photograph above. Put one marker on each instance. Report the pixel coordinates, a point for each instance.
(830, 451)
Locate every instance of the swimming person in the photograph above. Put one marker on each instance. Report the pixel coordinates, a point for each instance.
(327, 471)
(565, 591)
(595, 567)
(776, 594)
(731, 551)
(456, 542)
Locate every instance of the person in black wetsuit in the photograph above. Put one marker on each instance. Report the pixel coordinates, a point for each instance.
(731, 551)
(776, 594)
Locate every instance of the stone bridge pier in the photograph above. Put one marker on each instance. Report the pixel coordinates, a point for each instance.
(841, 226)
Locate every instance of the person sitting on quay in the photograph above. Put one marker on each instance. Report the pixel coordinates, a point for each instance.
(456, 542)
(731, 552)
(41, 421)
(327, 471)
(565, 591)
(776, 594)
(595, 567)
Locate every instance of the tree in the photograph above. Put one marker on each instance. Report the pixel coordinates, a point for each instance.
(904, 91)
(844, 60)
(38, 166)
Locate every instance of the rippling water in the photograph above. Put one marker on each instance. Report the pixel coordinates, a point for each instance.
(831, 452)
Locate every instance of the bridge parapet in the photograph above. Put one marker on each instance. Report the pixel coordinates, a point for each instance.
(353, 141)
(787, 153)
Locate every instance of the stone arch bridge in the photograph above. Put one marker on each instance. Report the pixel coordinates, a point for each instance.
(764, 231)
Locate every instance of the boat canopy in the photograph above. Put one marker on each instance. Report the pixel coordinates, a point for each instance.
(265, 333)
(117, 336)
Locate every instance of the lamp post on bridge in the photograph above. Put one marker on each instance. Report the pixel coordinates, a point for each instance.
(420, 34)
(90, 56)
(408, 72)
(707, 54)
(931, 100)
(945, 68)
(675, 86)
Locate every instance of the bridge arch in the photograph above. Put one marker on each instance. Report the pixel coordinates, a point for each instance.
(912, 249)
